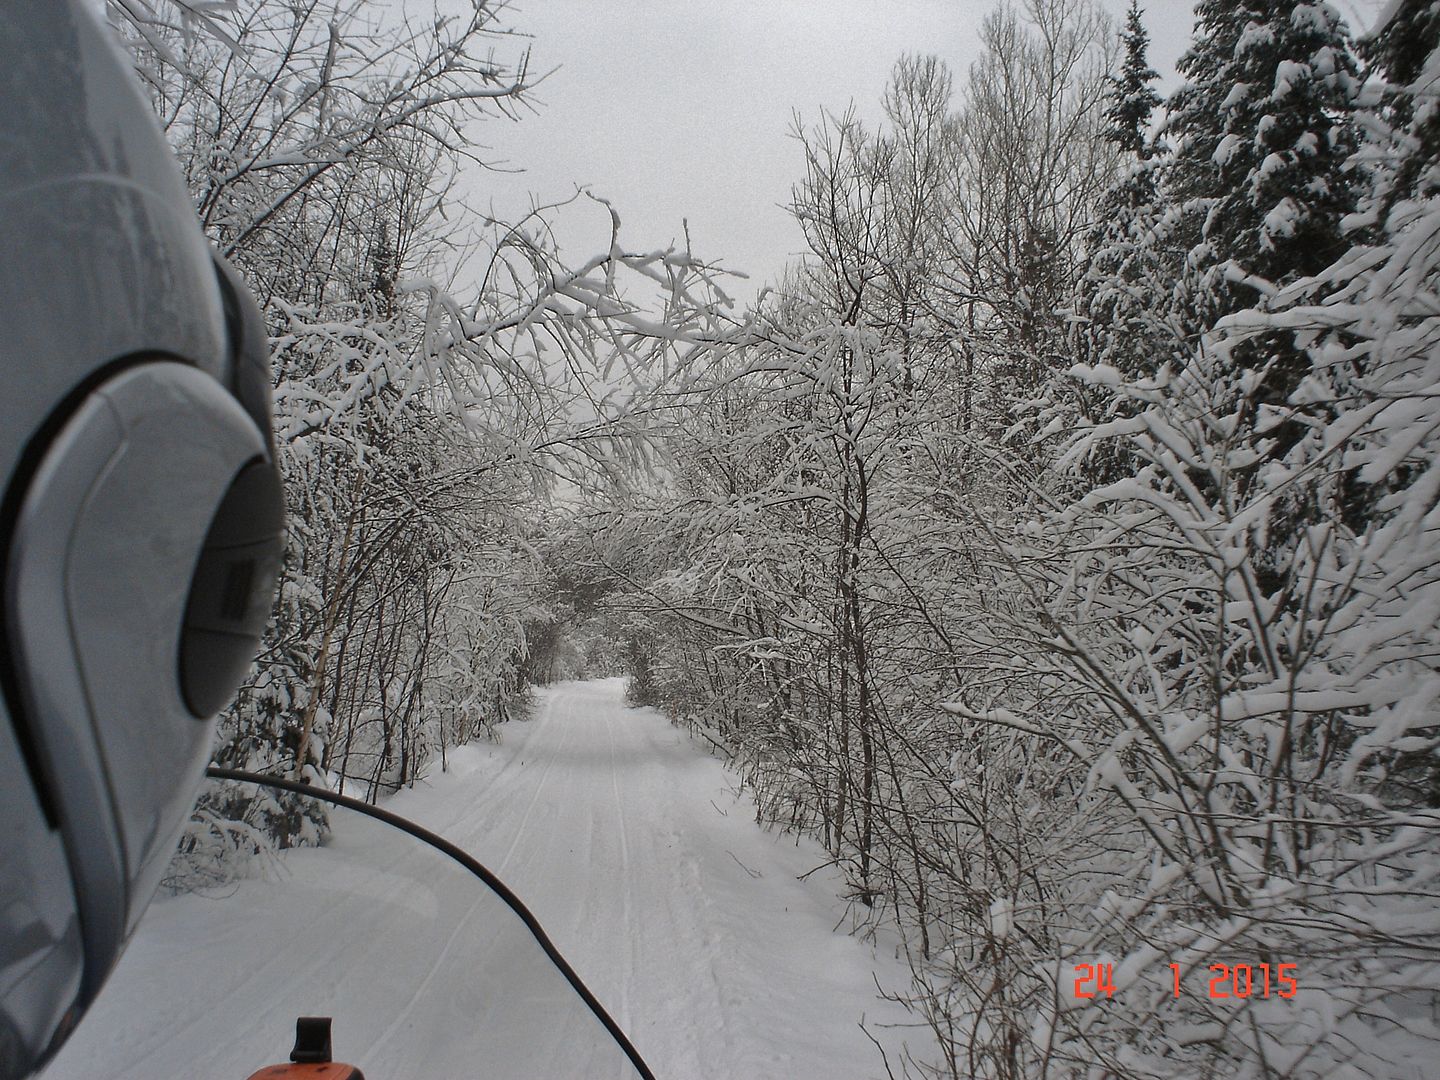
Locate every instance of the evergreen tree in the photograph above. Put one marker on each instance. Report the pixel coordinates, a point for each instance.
(1262, 132)
(1125, 269)
(1405, 51)
(1260, 180)
(1132, 92)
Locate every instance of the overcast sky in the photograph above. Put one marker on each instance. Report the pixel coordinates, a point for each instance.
(678, 109)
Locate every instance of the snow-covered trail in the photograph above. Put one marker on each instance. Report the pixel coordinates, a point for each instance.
(635, 852)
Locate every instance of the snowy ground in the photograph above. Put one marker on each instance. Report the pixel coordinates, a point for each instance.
(637, 855)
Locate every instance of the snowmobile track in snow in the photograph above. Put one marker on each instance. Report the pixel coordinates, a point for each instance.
(633, 849)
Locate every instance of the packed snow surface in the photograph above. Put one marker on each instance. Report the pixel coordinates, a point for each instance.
(632, 847)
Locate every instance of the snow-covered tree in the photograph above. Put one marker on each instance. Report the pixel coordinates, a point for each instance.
(1183, 701)
(1132, 97)
(416, 433)
(1257, 734)
(1262, 133)
(1128, 264)
(1034, 165)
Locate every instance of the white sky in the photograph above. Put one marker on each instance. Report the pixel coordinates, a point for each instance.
(678, 109)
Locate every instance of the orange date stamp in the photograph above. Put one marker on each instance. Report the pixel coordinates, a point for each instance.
(1225, 980)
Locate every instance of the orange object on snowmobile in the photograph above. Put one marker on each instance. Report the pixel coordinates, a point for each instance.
(330, 1070)
(310, 1060)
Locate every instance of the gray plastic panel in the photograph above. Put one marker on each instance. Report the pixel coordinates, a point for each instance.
(104, 262)
(101, 562)
(38, 628)
(39, 931)
(103, 256)
(127, 582)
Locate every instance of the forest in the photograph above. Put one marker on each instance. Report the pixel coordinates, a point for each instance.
(1057, 541)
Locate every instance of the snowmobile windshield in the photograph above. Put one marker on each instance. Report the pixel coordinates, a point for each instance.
(424, 969)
